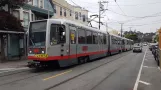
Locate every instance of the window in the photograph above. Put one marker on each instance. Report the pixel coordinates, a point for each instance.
(16, 13)
(25, 19)
(57, 34)
(89, 37)
(84, 18)
(41, 3)
(113, 40)
(54, 8)
(123, 42)
(73, 37)
(30, 2)
(36, 30)
(104, 39)
(65, 14)
(81, 37)
(32, 17)
(101, 38)
(76, 15)
(61, 11)
(70, 12)
(80, 15)
(47, 5)
(36, 2)
(95, 39)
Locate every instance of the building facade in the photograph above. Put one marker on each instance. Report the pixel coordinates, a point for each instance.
(64, 10)
(34, 10)
(15, 43)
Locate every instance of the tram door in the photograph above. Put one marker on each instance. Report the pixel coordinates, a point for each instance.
(73, 43)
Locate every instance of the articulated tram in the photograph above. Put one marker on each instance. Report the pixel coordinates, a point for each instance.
(64, 43)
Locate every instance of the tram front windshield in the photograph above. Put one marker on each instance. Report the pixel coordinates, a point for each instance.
(37, 33)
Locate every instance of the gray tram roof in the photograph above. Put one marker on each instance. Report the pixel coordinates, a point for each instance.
(62, 21)
(120, 37)
(78, 24)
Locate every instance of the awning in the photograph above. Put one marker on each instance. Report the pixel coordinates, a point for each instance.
(11, 32)
(38, 10)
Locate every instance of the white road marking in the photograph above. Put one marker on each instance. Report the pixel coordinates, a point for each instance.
(149, 67)
(144, 83)
(139, 74)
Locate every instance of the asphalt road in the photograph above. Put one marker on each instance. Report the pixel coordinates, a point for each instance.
(118, 72)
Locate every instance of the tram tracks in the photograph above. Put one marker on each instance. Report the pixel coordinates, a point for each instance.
(69, 79)
(31, 75)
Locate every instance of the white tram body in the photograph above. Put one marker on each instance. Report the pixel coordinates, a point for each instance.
(67, 43)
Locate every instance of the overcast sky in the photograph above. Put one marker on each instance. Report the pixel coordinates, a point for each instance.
(140, 15)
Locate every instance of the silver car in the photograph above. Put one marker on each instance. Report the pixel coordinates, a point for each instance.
(137, 49)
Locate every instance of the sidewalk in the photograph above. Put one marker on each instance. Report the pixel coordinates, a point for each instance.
(14, 64)
(150, 75)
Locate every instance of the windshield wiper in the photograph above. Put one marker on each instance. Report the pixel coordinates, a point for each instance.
(32, 42)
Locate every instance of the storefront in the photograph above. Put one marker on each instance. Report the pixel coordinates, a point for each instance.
(14, 45)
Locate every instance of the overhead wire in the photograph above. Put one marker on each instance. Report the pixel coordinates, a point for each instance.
(120, 8)
(154, 22)
(138, 4)
(80, 6)
(153, 15)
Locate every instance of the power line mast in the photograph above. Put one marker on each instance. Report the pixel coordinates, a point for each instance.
(121, 29)
(101, 8)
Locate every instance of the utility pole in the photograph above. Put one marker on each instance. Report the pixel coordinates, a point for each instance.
(101, 8)
(130, 28)
(121, 29)
(106, 27)
(99, 15)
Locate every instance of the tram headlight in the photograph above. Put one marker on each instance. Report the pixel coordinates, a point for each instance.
(30, 51)
(42, 52)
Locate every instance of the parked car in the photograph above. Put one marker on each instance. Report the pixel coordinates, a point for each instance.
(156, 54)
(151, 45)
(137, 48)
(153, 48)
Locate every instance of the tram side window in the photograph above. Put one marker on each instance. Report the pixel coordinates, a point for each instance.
(101, 39)
(113, 40)
(104, 38)
(89, 37)
(57, 34)
(123, 42)
(95, 39)
(81, 37)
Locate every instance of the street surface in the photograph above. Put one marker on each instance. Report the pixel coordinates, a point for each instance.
(125, 71)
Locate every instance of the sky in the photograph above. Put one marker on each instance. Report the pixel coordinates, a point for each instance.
(139, 15)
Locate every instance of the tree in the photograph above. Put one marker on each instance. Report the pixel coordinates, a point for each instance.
(12, 4)
(9, 22)
(115, 32)
(156, 39)
(132, 37)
